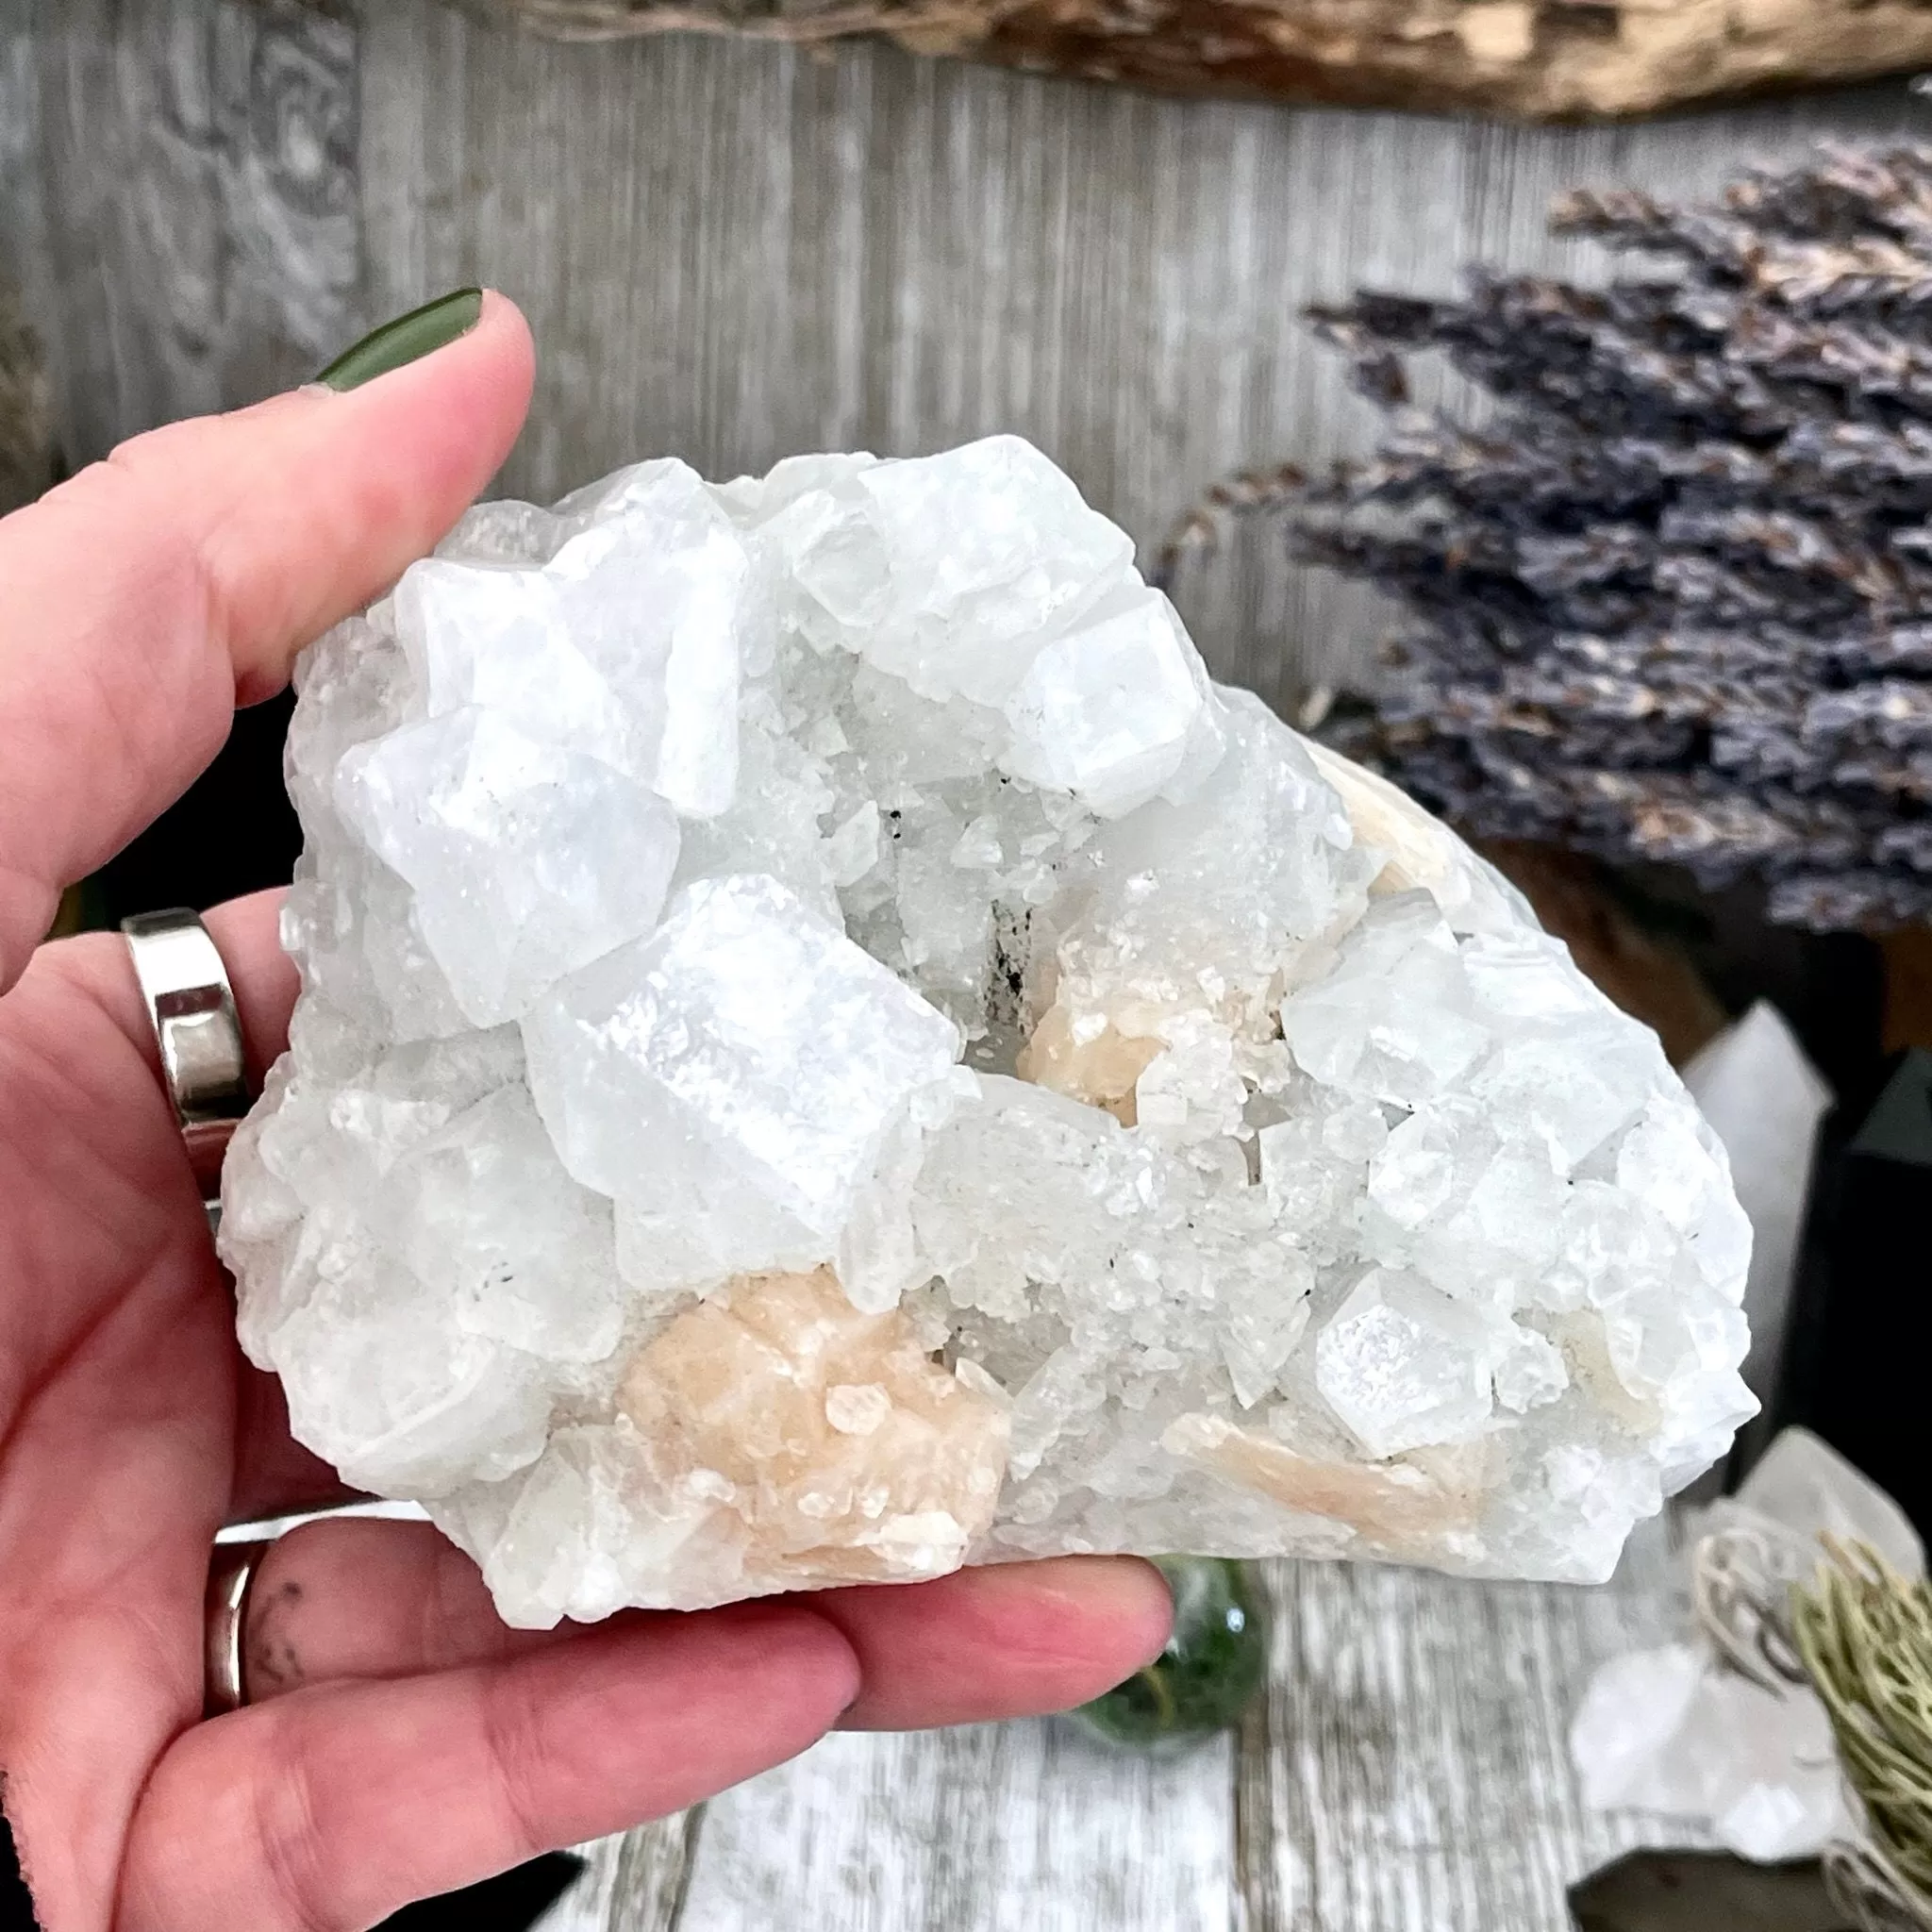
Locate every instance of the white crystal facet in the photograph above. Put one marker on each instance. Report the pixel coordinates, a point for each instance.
(1805, 1491)
(830, 1048)
(1764, 1100)
(525, 861)
(1404, 1366)
(624, 642)
(739, 1070)
(1107, 712)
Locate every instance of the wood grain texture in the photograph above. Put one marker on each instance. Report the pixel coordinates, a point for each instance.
(1409, 1771)
(25, 409)
(1406, 1771)
(25, 390)
(634, 1882)
(985, 1830)
(197, 230)
(24, 266)
(732, 251)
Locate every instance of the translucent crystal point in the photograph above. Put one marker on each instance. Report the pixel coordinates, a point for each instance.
(1681, 1732)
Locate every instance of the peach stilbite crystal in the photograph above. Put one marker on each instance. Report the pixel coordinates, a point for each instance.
(848, 1456)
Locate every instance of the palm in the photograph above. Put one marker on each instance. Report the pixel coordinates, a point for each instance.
(118, 1413)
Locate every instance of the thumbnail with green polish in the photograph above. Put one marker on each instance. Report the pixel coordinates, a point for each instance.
(405, 340)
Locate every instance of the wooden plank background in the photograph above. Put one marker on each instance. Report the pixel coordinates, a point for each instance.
(1406, 1772)
(734, 250)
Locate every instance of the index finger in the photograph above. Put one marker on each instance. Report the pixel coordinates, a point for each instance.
(143, 601)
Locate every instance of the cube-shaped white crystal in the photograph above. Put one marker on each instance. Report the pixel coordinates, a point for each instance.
(1395, 1020)
(738, 1070)
(1106, 710)
(483, 1213)
(993, 551)
(526, 860)
(1404, 1367)
(625, 644)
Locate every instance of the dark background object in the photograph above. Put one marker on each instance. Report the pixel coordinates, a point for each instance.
(16, 1908)
(1209, 1672)
(1861, 1318)
(1704, 1892)
(1687, 961)
(513, 1901)
(1830, 987)
(233, 832)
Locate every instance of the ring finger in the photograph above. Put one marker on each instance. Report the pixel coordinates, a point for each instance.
(367, 1597)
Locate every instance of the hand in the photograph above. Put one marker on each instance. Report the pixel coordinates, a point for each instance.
(407, 1743)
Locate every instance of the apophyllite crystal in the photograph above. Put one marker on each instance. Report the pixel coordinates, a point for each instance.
(829, 1050)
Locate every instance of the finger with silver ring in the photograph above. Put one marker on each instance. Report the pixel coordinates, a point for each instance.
(347, 1597)
(357, 1596)
(190, 1005)
(231, 1574)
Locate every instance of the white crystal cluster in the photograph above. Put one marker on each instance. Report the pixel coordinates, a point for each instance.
(829, 1049)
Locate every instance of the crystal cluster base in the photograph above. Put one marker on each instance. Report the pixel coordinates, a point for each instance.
(829, 1049)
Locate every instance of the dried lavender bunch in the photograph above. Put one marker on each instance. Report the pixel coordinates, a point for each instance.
(1674, 600)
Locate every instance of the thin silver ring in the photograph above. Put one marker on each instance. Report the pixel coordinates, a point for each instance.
(204, 1060)
(230, 1573)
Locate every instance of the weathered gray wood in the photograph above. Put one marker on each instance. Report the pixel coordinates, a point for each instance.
(733, 250)
(199, 222)
(986, 1829)
(24, 255)
(1409, 1771)
(634, 1882)
(21, 244)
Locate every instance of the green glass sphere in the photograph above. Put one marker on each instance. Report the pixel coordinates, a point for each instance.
(1211, 1669)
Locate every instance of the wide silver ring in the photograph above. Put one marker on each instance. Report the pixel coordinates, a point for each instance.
(224, 1658)
(204, 1060)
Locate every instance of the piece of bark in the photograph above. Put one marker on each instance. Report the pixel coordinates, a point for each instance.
(1539, 60)
(1697, 1891)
